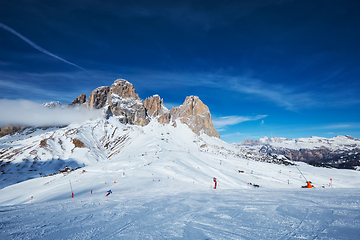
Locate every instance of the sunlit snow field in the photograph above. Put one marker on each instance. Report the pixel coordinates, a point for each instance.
(193, 214)
(162, 188)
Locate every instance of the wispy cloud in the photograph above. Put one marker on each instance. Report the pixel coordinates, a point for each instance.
(9, 29)
(251, 88)
(52, 86)
(336, 126)
(232, 135)
(19, 88)
(292, 98)
(279, 94)
(233, 120)
(28, 113)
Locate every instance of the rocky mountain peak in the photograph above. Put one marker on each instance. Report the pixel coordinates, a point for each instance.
(194, 113)
(121, 100)
(124, 89)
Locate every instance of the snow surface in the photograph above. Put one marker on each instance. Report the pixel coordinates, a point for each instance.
(335, 143)
(161, 213)
(162, 188)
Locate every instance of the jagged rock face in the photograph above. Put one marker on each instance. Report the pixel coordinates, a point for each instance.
(155, 108)
(121, 100)
(130, 110)
(98, 98)
(79, 100)
(196, 115)
(124, 89)
(125, 103)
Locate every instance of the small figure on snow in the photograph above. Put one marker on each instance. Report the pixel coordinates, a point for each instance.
(108, 193)
(308, 185)
(215, 181)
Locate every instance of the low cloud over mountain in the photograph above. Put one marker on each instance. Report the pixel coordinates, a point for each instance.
(28, 113)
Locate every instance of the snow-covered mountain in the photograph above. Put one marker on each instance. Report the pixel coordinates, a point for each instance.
(40, 152)
(34, 152)
(339, 151)
(159, 165)
(345, 143)
(161, 179)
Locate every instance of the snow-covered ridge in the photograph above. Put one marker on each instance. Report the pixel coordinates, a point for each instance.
(106, 150)
(54, 104)
(336, 143)
(339, 151)
(39, 152)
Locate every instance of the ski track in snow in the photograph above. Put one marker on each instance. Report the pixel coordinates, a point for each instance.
(161, 181)
(211, 214)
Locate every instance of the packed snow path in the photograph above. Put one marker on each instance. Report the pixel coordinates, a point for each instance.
(210, 214)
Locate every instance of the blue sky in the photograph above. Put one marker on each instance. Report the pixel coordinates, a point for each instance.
(264, 68)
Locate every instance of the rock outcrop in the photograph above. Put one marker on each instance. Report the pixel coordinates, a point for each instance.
(79, 100)
(5, 130)
(155, 108)
(125, 103)
(121, 100)
(194, 113)
(98, 98)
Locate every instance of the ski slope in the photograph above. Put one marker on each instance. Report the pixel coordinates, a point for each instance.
(189, 214)
(161, 182)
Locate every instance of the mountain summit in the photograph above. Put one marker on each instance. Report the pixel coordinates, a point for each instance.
(121, 100)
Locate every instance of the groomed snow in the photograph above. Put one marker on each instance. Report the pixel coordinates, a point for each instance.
(162, 188)
(159, 213)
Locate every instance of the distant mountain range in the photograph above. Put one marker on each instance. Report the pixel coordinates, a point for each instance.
(338, 152)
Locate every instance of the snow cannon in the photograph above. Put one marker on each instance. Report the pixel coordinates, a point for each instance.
(308, 185)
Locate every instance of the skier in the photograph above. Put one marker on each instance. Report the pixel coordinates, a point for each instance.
(215, 181)
(108, 193)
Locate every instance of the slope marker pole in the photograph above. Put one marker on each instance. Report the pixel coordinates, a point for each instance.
(72, 193)
(331, 182)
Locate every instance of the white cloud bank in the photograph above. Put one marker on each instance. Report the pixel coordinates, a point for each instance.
(28, 113)
(233, 120)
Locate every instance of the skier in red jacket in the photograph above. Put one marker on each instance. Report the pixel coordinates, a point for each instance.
(215, 181)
